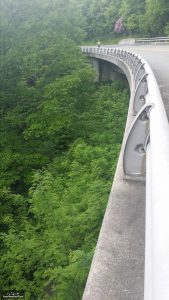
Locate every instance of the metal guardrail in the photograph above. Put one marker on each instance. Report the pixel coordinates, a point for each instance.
(155, 40)
(148, 138)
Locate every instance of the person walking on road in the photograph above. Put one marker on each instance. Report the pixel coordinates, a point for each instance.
(98, 44)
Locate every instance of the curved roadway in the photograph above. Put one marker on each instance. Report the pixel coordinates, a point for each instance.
(117, 271)
(158, 58)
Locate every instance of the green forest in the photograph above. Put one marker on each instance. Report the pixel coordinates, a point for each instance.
(60, 137)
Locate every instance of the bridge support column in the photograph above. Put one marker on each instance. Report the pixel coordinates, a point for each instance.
(110, 72)
(96, 67)
(106, 71)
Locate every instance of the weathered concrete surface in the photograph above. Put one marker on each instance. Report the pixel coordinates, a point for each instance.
(127, 42)
(106, 71)
(117, 270)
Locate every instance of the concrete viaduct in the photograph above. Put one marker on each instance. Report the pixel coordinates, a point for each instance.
(131, 261)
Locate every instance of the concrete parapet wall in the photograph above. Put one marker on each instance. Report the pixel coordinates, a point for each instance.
(117, 270)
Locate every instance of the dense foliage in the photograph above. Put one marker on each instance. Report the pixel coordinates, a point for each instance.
(60, 136)
(49, 236)
(139, 17)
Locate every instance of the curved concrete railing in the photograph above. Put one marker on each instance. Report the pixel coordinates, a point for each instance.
(146, 154)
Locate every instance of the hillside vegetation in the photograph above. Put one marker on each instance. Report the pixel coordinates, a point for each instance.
(60, 137)
(117, 18)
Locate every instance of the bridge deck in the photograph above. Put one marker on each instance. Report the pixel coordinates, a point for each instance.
(117, 271)
(158, 58)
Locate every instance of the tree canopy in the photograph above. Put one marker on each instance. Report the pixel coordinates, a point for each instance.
(59, 132)
(144, 18)
(60, 136)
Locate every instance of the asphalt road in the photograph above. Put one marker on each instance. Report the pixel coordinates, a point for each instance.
(158, 58)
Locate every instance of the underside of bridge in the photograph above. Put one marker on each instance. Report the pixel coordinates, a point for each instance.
(106, 71)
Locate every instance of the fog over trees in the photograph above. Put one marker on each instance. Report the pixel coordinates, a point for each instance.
(60, 137)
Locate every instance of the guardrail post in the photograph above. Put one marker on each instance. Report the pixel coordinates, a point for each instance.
(140, 72)
(140, 94)
(134, 162)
